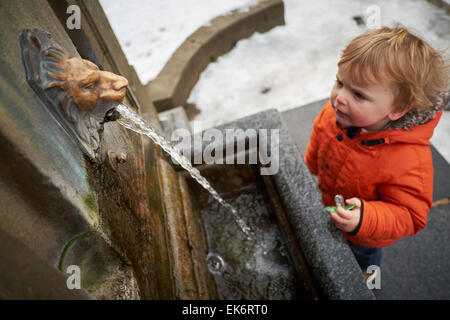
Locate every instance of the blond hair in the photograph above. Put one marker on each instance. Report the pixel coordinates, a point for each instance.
(418, 71)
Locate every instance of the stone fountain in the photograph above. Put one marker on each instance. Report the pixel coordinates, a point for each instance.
(82, 195)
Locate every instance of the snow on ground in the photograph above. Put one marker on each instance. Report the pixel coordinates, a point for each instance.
(284, 68)
(150, 31)
(297, 63)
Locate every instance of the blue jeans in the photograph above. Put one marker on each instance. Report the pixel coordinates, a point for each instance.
(366, 256)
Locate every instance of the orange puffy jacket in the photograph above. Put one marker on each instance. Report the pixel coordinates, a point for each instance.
(391, 171)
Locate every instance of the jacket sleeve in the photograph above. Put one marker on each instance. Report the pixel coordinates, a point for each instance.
(404, 201)
(313, 145)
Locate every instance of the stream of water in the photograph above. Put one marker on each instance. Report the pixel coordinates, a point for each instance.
(131, 120)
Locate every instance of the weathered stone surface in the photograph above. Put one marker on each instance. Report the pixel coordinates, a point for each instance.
(50, 193)
(123, 206)
(43, 174)
(103, 273)
(186, 246)
(197, 244)
(161, 266)
(179, 253)
(25, 275)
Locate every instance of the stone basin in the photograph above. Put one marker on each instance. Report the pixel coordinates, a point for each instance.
(271, 266)
(301, 255)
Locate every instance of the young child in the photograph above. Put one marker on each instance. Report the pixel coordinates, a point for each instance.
(370, 142)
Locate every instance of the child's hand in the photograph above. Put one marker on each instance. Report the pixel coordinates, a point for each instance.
(347, 220)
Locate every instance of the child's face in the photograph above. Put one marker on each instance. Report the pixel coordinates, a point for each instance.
(367, 106)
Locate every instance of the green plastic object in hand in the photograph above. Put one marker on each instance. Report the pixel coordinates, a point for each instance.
(334, 209)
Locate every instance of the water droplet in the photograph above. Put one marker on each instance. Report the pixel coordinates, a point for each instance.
(216, 264)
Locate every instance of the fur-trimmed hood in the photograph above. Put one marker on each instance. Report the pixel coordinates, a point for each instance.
(413, 118)
(414, 127)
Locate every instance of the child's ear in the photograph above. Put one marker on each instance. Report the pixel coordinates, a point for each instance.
(395, 115)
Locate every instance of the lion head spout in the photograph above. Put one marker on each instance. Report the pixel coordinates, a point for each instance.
(82, 80)
(76, 91)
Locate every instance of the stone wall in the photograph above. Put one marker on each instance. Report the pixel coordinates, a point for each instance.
(58, 208)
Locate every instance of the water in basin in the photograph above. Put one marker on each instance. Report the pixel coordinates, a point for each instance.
(258, 268)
